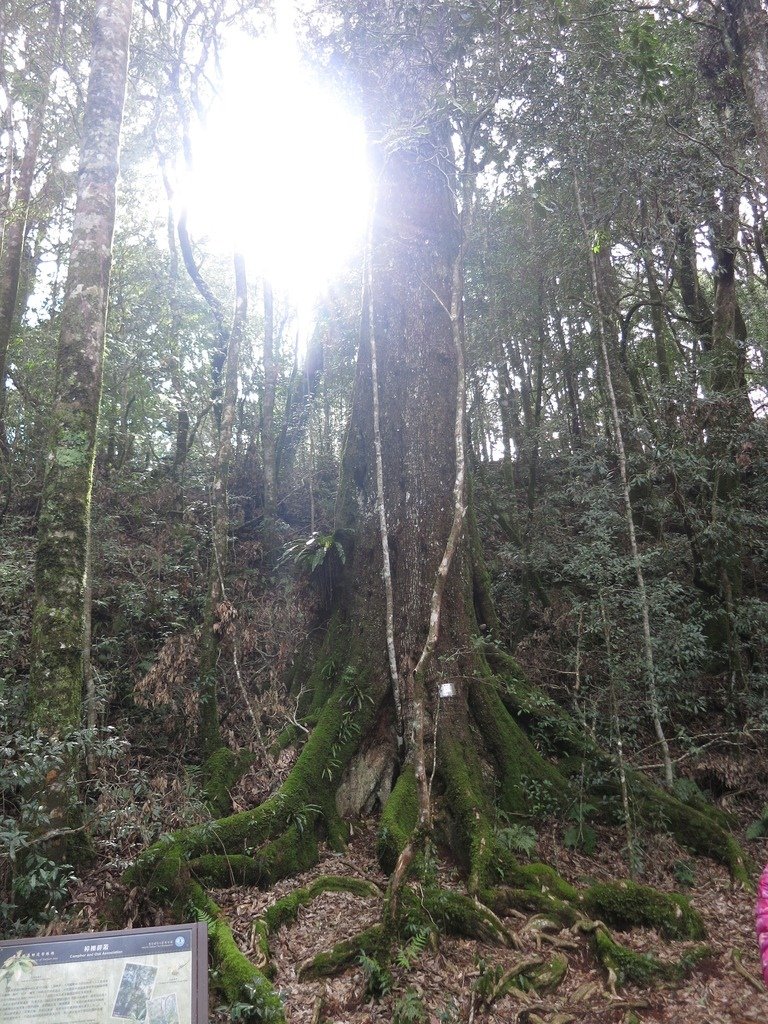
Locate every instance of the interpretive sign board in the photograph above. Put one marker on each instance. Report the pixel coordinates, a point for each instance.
(147, 975)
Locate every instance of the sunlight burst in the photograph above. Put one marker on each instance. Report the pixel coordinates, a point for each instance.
(281, 169)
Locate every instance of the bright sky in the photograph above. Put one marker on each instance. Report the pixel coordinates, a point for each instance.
(281, 169)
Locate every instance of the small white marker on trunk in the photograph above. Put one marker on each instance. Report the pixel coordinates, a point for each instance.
(447, 690)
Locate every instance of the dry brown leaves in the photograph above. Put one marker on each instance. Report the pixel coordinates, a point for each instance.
(169, 684)
(714, 994)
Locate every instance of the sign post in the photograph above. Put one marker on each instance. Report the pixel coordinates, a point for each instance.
(144, 975)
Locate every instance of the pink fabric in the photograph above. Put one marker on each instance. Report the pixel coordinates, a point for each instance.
(761, 920)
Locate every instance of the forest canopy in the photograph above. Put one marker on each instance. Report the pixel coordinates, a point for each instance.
(383, 495)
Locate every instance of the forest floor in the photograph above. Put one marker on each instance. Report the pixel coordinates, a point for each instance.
(443, 978)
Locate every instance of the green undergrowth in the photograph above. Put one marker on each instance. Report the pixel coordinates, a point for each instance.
(695, 825)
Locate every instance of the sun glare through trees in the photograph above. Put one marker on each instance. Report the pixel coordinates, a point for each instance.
(281, 170)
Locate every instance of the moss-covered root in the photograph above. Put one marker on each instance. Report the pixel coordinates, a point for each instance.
(694, 827)
(286, 909)
(278, 834)
(530, 974)
(702, 829)
(373, 942)
(623, 904)
(452, 913)
(625, 965)
(398, 820)
(221, 772)
(626, 904)
(238, 980)
(433, 910)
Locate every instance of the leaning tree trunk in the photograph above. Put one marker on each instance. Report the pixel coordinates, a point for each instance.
(56, 676)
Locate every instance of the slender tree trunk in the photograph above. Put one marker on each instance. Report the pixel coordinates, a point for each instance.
(221, 339)
(663, 366)
(268, 405)
(571, 385)
(687, 275)
(210, 735)
(650, 671)
(56, 675)
(15, 226)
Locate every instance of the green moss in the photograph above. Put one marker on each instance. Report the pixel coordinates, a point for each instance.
(454, 914)
(291, 853)
(372, 942)
(540, 878)
(504, 898)
(529, 704)
(469, 809)
(223, 769)
(162, 872)
(286, 738)
(260, 933)
(238, 980)
(517, 760)
(548, 977)
(311, 784)
(641, 969)
(222, 871)
(693, 827)
(697, 827)
(625, 904)
(286, 909)
(398, 820)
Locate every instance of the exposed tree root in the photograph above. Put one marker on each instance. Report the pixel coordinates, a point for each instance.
(287, 908)
(528, 974)
(280, 838)
(236, 977)
(741, 970)
(698, 826)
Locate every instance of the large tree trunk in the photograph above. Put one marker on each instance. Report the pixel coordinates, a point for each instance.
(413, 248)
(56, 676)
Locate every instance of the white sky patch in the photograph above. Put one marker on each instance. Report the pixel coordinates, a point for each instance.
(281, 169)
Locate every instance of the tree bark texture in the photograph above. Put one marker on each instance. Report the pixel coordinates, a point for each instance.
(414, 243)
(56, 676)
(748, 32)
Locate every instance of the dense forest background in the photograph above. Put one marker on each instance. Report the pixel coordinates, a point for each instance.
(586, 182)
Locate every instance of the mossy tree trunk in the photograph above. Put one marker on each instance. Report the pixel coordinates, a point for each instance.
(56, 675)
